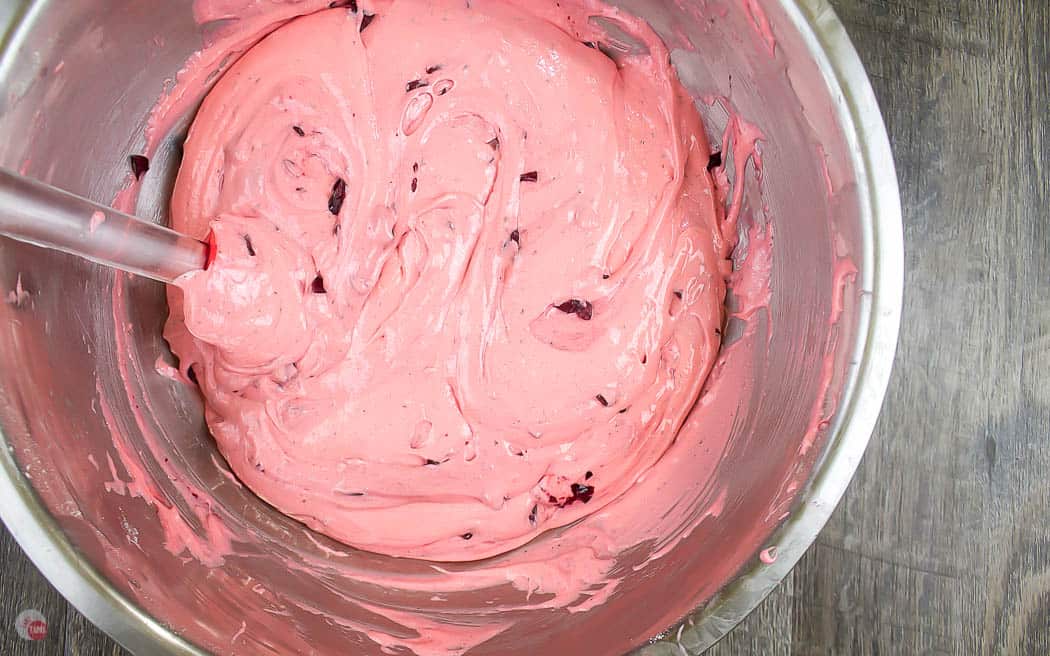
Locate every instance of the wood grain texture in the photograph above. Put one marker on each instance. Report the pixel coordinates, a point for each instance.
(942, 543)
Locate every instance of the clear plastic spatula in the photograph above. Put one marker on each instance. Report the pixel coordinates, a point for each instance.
(40, 214)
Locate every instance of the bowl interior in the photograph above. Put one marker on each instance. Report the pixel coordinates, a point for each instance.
(119, 455)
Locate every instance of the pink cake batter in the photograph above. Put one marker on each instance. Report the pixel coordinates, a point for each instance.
(469, 278)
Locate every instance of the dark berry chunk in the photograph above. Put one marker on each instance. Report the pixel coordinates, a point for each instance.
(415, 184)
(588, 476)
(532, 515)
(317, 286)
(678, 294)
(352, 4)
(249, 246)
(139, 165)
(335, 200)
(467, 536)
(299, 131)
(601, 399)
(415, 84)
(582, 309)
(530, 176)
(515, 236)
(581, 492)
(433, 69)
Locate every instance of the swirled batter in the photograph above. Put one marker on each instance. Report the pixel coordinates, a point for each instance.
(469, 276)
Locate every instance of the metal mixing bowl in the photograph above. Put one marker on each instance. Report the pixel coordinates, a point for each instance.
(78, 78)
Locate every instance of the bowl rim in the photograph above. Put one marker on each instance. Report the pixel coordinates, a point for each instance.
(879, 317)
(41, 538)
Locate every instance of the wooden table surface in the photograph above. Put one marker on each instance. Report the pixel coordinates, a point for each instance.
(942, 543)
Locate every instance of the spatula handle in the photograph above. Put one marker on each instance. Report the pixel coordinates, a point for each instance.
(40, 214)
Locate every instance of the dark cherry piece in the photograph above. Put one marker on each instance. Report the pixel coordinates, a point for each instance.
(139, 165)
(335, 201)
(581, 492)
(582, 309)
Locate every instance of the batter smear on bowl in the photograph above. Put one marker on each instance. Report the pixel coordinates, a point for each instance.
(470, 270)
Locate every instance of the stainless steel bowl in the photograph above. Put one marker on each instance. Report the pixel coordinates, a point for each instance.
(78, 78)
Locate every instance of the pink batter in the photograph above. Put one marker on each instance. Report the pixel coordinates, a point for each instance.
(470, 272)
